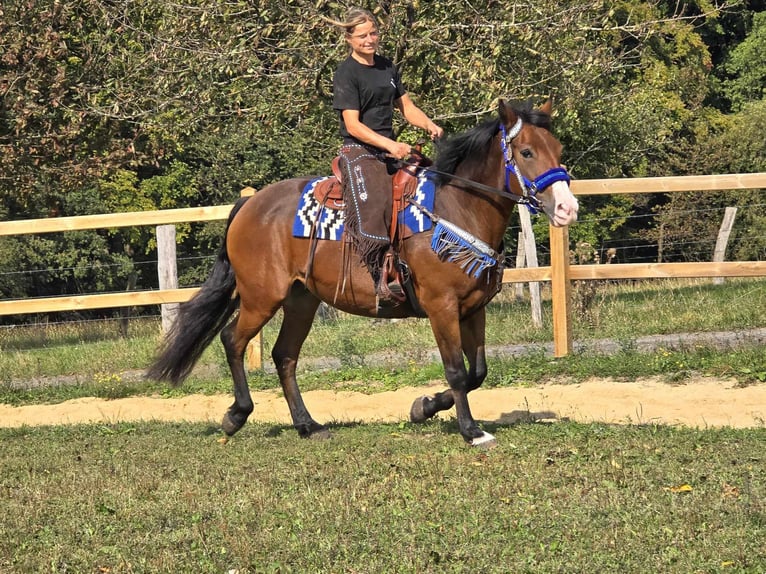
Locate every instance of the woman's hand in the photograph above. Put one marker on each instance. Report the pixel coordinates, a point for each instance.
(433, 130)
(400, 150)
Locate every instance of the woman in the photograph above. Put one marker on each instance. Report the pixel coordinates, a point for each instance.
(366, 89)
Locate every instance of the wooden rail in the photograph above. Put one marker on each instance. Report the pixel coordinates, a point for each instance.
(669, 184)
(641, 271)
(559, 273)
(575, 273)
(110, 220)
(100, 301)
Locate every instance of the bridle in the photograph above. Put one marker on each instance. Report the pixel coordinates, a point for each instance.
(528, 188)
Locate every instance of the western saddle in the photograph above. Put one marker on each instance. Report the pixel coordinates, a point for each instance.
(329, 192)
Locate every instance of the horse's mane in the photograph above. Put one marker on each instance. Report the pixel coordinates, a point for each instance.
(474, 143)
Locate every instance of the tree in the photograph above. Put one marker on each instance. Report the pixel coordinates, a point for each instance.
(715, 141)
(746, 67)
(726, 144)
(126, 105)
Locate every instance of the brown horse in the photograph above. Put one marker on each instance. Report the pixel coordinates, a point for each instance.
(481, 175)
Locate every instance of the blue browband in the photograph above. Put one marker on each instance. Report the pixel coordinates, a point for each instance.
(529, 189)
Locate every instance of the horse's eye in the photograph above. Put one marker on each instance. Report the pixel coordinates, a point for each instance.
(526, 153)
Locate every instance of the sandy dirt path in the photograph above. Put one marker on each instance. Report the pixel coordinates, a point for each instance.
(699, 403)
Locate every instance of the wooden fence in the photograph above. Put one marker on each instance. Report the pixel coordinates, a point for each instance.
(559, 273)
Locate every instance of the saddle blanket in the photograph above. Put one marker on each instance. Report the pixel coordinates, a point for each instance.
(329, 222)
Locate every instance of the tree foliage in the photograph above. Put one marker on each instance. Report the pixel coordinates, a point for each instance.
(747, 73)
(122, 105)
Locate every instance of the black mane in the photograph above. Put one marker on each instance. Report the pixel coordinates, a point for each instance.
(474, 143)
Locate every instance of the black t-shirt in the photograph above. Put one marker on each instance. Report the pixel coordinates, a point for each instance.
(370, 89)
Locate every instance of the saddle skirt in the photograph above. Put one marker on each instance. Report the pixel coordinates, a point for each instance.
(327, 217)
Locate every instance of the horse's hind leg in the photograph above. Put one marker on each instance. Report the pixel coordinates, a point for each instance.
(235, 337)
(299, 310)
(472, 335)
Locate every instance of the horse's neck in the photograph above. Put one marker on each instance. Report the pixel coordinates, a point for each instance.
(483, 214)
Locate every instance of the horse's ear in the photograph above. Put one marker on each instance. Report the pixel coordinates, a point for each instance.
(547, 107)
(507, 115)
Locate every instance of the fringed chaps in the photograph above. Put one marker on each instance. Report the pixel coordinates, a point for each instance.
(367, 194)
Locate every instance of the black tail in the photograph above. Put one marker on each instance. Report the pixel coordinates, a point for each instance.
(199, 320)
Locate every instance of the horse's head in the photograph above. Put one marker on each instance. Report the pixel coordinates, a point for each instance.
(533, 162)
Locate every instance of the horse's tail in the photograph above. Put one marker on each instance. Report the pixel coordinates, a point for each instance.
(199, 320)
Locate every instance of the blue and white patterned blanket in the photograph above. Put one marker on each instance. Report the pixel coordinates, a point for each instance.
(329, 222)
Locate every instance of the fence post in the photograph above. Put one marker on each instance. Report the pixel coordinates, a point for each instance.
(561, 288)
(531, 250)
(254, 351)
(520, 261)
(719, 253)
(167, 271)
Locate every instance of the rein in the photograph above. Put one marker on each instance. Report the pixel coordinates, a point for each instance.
(530, 201)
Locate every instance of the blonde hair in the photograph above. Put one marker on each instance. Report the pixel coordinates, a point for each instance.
(354, 17)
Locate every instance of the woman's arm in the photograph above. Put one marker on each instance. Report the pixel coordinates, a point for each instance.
(361, 132)
(417, 117)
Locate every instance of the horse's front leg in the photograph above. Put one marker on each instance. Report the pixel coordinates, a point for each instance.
(472, 333)
(455, 338)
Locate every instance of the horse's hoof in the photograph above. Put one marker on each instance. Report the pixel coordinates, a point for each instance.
(229, 426)
(486, 441)
(418, 410)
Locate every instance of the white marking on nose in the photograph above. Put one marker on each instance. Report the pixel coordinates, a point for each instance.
(565, 204)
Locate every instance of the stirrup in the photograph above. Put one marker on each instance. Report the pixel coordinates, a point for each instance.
(389, 294)
(389, 289)
(396, 290)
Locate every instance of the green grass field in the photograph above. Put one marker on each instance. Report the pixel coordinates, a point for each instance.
(558, 497)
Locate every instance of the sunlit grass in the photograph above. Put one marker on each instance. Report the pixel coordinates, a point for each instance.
(565, 497)
(561, 497)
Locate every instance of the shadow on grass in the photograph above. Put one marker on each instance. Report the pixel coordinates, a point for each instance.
(446, 426)
(210, 430)
(506, 420)
(274, 431)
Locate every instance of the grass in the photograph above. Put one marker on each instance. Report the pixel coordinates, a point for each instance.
(550, 498)
(627, 310)
(744, 364)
